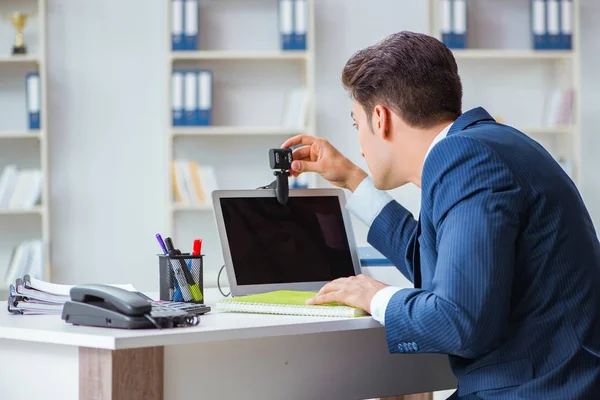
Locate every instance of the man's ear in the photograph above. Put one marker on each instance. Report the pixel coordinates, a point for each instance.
(381, 121)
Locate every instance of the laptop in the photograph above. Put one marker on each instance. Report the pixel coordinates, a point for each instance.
(301, 245)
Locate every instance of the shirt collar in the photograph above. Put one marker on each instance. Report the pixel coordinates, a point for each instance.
(438, 138)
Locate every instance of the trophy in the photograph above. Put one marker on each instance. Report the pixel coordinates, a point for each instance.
(19, 20)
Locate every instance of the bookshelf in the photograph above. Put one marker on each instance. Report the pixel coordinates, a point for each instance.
(18, 145)
(499, 43)
(251, 78)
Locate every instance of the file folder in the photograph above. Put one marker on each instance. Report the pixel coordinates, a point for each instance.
(205, 78)
(190, 104)
(446, 22)
(177, 98)
(300, 13)
(538, 24)
(459, 19)
(34, 99)
(566, 26)
(286, 24)
(177, 43)
(190, 26)
(553, 13)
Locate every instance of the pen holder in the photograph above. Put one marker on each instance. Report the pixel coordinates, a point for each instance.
(175, 284)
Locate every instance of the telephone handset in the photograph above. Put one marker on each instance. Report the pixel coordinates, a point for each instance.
(110, 306)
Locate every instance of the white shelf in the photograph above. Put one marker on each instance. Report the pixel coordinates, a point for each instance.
(191, 207)
(239, 55)
(24, 59)
(235, 130)
(20, 134)
(32, 211)
(548, 130)
(501, 54)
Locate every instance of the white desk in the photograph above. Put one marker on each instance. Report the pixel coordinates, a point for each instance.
(228, 356)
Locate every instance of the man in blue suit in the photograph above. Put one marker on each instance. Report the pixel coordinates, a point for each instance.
(504, 257)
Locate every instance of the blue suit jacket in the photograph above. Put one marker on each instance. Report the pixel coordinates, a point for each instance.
(506, 267)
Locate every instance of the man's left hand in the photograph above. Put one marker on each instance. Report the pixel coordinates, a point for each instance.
(355, 291)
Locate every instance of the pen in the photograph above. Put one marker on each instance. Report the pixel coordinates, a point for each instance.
(194, 288)
(179, 272)
(174, 292)
(162, 244)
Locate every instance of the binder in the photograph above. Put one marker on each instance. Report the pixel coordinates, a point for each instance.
(553, 14)
(190, 103)
(566, 25)
(33, 95)
(286, 24)
(300, 25)
(538, 24)
(446, 22)
(204, 116)
(177, 98)
(190, 25)
(177, 43)
(459, 22)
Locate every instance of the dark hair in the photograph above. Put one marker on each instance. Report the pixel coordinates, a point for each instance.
(414, 74)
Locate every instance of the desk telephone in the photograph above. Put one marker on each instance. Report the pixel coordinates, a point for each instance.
(113, 307)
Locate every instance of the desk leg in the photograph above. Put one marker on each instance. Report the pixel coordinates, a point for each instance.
(121, 374)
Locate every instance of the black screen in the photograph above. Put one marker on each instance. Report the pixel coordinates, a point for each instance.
(302, 241)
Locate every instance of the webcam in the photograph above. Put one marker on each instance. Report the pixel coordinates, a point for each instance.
(280, 160)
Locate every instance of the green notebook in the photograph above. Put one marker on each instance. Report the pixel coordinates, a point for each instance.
(286, 302)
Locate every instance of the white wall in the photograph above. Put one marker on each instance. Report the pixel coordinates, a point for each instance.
(107, 118)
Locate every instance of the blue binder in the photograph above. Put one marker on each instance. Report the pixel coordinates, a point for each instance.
(190, 97)
(205, 97)
(459, 24)
(553, 24)
(539, 30)
(446, 22)
(300, 24)
(177, 13)
(177, 98)
(566, 25)
(190, 25)
(286, 24)
(34, 99)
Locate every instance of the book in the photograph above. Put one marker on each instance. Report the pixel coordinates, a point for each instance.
(286, 302)
(29, 295)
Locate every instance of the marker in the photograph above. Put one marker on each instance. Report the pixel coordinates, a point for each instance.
(197, 247)
(178, 271)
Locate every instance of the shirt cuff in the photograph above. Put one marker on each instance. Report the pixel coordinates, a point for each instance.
(367, 201)
(380, 301)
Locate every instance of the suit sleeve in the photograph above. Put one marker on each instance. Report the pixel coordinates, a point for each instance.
(391, 233)
(475, 204)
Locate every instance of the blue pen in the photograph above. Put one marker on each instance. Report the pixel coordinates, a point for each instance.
(176, 295)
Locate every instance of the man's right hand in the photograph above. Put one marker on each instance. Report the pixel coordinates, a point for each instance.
(318, 155)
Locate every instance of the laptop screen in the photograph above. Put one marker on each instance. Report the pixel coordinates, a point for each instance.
(302, 241)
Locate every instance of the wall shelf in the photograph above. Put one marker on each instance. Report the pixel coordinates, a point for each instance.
(32, 211)
(239, 55)
(21, 135)
(191, 207)
(501, 54)
(235, 130)
(25, 59)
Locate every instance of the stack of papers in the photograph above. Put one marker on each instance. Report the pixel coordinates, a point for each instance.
(33, 296)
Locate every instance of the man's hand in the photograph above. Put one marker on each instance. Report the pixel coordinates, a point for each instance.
(355, 291)
(318, 155)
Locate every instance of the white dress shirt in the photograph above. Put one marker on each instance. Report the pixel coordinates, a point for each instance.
(366, 203)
